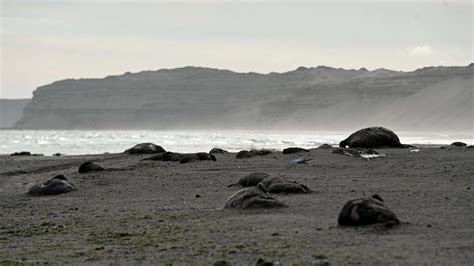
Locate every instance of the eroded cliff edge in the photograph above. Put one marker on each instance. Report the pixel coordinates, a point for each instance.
(431, 98)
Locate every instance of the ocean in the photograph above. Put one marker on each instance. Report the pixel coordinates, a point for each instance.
(74, 142)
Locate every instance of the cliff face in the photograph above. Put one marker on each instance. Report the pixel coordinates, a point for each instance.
(11, 110)
(321, 98)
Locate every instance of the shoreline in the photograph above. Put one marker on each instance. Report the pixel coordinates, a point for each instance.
(415, 146)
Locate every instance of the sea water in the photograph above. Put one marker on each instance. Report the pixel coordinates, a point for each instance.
(74, 142)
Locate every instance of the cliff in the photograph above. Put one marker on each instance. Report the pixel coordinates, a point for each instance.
(11, 110)
(321, 98)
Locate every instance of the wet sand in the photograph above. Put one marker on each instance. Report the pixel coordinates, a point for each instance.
(154, 212)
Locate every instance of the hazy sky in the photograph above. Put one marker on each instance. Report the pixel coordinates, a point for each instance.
(43, 41)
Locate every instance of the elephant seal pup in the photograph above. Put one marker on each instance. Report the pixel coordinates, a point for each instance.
(292, 150)
(252, 198)
(218, 151)
(251, 179)
(373, 137)
(279, 185)
(89, 167)
(368, 210)
(56, 185)
(145, 148)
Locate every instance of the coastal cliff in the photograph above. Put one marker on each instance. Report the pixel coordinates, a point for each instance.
(320, 98)
(11, 110)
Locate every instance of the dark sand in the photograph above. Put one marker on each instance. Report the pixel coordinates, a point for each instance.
(147, 211)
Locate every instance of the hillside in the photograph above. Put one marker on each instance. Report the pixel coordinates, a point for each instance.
(321, 98)
(11, 110)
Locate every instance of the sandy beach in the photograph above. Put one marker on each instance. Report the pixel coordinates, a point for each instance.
(154, 212)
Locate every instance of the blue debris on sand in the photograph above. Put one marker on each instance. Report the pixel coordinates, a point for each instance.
(300, 160)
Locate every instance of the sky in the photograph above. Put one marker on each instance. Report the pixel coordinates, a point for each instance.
(43, 41)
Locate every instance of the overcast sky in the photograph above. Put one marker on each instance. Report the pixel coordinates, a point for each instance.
(44, 41)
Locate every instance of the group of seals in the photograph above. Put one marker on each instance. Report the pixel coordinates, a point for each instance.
(360, 211)
(25, 153)
(252, 197)
(60, 184)
(356, 212)
(258, 186)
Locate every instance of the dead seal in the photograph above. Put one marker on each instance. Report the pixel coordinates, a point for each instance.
(252, 198)
(280, 185)
(292, 150)
(251, 153)
(145, 148)
(373, 137)
(56, 185)
(367, 210)
(251, 179)
(89, 167)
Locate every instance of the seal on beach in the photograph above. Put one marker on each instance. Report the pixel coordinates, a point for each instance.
(251, 153)
(458, 144)
(181, 157)
(145, 148)
(56, 185)
(367, 210)
(251, 198)
(373, 137)
(218, 151)
(199, 156)
(325, 146)
(89, 167)
(251, 179)
(21, 153)
(292, 150)
(279, 185)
